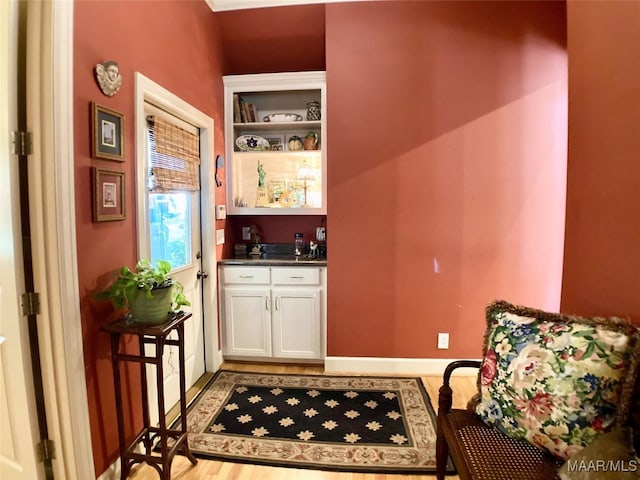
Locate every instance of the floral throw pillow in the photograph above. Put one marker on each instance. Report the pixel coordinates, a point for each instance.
(554, 380)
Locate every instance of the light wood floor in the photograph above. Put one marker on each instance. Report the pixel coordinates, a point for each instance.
(463, 386)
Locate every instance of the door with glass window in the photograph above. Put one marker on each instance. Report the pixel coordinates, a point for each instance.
(173, 200)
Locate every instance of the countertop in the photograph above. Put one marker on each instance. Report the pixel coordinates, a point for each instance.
(272, 260)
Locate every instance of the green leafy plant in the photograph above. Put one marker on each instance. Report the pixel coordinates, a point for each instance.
(143, 279)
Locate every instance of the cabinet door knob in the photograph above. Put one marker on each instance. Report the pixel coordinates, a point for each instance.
(202, 275)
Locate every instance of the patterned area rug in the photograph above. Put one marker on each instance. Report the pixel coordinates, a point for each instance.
(367, 424)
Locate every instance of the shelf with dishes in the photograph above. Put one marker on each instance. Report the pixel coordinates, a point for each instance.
(275, 143)
(278, 141)
(268, 126)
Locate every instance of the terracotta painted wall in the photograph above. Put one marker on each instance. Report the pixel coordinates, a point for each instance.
(447, 161)
(176, 44)
(267, 40)
(602, 258)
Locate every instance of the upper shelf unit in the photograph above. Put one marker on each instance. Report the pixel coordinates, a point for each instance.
(275, 139)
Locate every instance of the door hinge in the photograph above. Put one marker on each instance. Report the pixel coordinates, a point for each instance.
(46, 450)
(21, 143)
(30, 303)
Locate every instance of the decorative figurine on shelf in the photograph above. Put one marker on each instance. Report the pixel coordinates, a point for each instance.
(261, 174)
(261, 194)
(109, 78)
(295, 143)
(311, 141)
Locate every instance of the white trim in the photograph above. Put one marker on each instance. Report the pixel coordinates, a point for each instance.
(224, 5)
(146, 90)
(401, 366)
(53, 236)
(79, 460)
(217, 357)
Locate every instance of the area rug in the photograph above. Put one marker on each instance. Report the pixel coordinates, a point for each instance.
(365, 424)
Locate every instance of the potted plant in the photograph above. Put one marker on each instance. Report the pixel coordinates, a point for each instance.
(147, 291)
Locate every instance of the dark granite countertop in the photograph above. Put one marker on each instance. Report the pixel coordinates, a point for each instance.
(272, 254)
(275, 260)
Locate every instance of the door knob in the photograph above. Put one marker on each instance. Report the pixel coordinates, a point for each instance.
(202, 275)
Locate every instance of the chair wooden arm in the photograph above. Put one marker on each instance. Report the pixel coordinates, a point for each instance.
(445, 394)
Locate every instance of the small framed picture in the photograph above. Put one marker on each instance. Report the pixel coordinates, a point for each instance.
(276, 143)
(107, 131)
(108, 195)
(276, 190)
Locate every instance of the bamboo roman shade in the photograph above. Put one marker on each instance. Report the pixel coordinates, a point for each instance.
(174, 157)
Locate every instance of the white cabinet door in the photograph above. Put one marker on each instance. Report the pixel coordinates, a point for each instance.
(247, 321)
(296, 322)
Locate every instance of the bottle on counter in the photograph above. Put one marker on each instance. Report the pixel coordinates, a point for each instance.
(298, 244)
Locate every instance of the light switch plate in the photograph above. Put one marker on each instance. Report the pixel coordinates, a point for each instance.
(221, 212)
(220, 236)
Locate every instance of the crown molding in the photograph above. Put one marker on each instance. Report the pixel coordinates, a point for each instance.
(225, 5)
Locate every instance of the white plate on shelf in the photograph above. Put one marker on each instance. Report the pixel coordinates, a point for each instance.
(252, 143)
(283, 117)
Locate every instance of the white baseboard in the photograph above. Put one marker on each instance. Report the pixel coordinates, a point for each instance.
(217, 361)
(402, 366)
(112, 472)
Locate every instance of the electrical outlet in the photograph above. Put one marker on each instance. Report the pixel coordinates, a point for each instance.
(246, 233)
(443, 341)
(321, 234)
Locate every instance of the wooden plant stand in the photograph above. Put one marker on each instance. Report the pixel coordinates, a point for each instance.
(155, 335)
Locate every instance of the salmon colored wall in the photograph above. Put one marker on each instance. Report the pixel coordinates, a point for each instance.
(267, 40)
(176, 44)
(447, 157)
(273, 228)
(602, 259)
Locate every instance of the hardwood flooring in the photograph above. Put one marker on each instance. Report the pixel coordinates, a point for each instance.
(463, 386)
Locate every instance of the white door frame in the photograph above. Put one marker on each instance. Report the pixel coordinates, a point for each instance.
(147, 90)
(53, 229)
(18, 411)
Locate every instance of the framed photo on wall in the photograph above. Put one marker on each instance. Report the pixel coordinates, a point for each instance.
(107, 132)
(108, 195)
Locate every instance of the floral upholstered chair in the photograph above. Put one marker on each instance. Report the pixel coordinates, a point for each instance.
(552, 390)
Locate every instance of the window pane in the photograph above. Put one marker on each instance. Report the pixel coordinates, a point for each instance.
(170, 228)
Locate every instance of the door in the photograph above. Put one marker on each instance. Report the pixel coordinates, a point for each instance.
(247, 321)
(178, 226)
(18, 417)
(174, 224)
(296, 322)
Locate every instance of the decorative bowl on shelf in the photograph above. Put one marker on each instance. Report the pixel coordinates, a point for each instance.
(252, 143)
(283, 117)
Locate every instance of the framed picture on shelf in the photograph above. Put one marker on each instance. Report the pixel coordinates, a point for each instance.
(276, 190)
(295, 189)
(107, 133)
(276, 142)
(108, 195)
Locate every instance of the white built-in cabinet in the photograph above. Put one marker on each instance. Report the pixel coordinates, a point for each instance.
(273, 312)
(266, 173)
